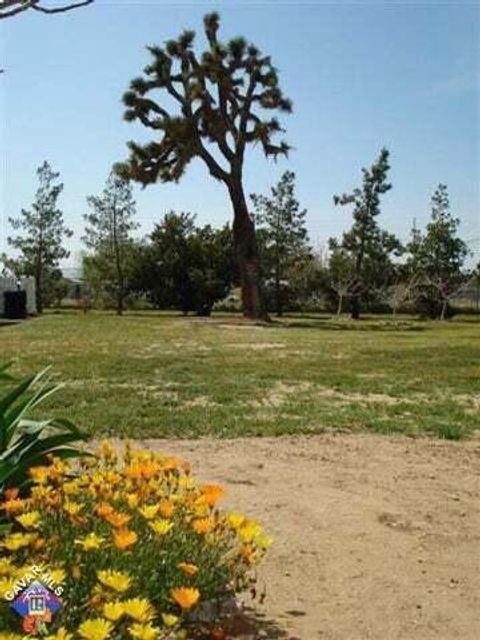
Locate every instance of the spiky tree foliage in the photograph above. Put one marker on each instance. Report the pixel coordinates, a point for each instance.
(10, 8)
(108, 233)
(283, 238)
(222, 99)
(42, 235)
(438, 256)
(369, 246)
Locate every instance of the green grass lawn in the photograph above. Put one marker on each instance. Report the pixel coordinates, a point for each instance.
(154, 375)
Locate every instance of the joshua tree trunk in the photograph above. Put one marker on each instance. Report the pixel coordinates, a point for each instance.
(246, 252)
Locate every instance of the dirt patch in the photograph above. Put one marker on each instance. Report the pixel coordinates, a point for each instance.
(375, 537)
(256, 346)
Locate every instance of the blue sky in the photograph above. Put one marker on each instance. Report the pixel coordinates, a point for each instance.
(361, 75)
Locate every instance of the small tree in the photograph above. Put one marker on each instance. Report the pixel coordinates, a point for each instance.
(438, 257)
(283, 234)
(221, 100)
(365, 239)
(42, 235)
(342, 277)
(10, 8)
(108, 234)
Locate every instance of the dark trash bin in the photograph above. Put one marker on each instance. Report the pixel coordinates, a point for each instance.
(15, 305)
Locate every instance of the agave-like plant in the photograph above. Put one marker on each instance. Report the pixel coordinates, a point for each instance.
(25, 443)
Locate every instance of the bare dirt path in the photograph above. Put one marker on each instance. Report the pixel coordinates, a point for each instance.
(375, 537)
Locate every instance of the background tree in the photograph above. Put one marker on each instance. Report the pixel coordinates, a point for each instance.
(342, 278)
(282, 235)
(108, 234)
(438, 257)
(369, 246)
(42, 236)
(10, 8)
(183, 266)
(222, 98)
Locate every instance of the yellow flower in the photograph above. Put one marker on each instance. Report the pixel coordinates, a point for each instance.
(249, 531)
(90, 542)
(185, 597)
(116, 580)
(39, 474)
(264, 541)
(72, 508)
(149, 511)
(62, 634)
(29, 520)
(10, 636)
(107, 451)
(113, 610)
(143, 631)
(236, 520)
(160, 526)
(57, 575)
(132, 500)
(185, 482)
(16, 541)
(97, 629)
(6, 567)
(71, 488)
(169, 620)
(124, 538)
(139, 609)
(188, 568)
(6, 585)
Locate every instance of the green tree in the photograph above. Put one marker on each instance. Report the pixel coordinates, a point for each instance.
(10, 8)
(369, 246)
(42, 236)
(222, 102)
(108, 234)
(185, 267)
(437, 257)
(283, 235)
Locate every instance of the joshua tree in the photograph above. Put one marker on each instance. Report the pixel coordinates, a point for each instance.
(221, 100)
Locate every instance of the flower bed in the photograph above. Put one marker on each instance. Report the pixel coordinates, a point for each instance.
(134, 548)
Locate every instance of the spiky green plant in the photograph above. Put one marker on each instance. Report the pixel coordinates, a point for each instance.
(26, 442)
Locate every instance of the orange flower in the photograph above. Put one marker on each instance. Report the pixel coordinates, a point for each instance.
(12, 493)
(203, 525)
(124, 538)
(186, 597)
(13, 506)
(166, 508)
(210, 494)
(118, 520)
(104, 509)
(188, 568)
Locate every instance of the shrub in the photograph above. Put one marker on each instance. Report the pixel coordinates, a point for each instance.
(136, 545)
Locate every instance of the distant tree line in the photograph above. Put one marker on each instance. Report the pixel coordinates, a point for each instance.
(185, 266)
